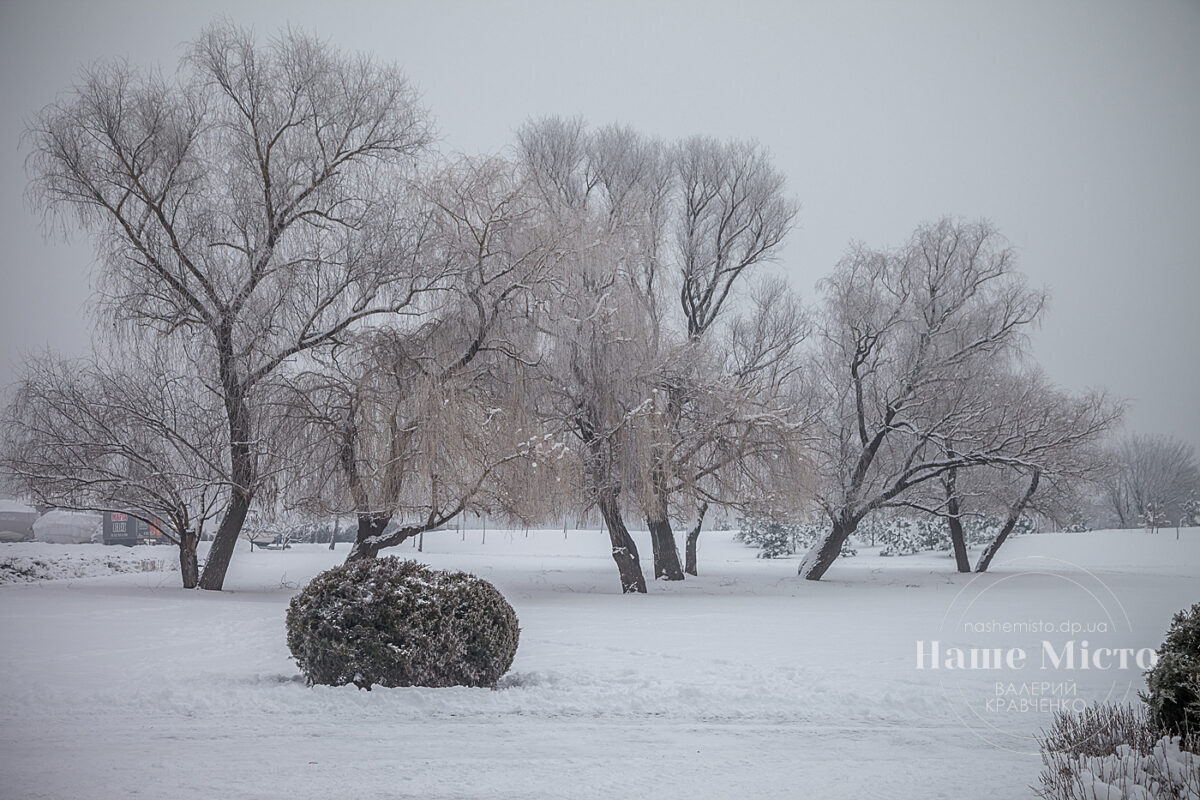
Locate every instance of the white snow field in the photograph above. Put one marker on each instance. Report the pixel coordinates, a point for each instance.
(746, 682)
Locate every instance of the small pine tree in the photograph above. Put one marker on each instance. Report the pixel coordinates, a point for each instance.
(1191, 511)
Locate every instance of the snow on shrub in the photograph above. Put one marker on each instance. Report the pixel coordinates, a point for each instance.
(1098, 731)
(906, 536)
(772, 539)
(1173, 693)
(1077, 523)
(1165, 773)
(399, 623)
(903, 536)
(1113, 751)
(775, 539)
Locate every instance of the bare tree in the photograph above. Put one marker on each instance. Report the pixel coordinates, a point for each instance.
(695, 219)
(737, 442)
(594, 392)
(403, 450)
(247, 206)
(409, 421)
(139, 438)
(902, 337)
(605, 193)
(1154, 476)
(1053, 443)
(1034, 448)
(729, 216)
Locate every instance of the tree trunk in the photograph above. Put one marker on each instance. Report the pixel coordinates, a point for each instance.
(821, 555)
(624, 550)
(662, 539)
(693, 539)
(366, 540)
(1014, 514)
(217, 563)
(189, 568)
(958, 539)
(959, 542)
(241, 462)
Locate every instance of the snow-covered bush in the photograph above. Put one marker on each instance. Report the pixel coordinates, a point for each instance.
(1165, 773)
(1098, 731)
(1153, 518)
(906, 536)
(774, 539)
(848, 549)
(1114, 751)
(982, 530)
(1173, 692)
(1077, 522)
(399, 623)
(1111, 751)
(1191, 511)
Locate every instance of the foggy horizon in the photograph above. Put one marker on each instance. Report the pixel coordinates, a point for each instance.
(1071, 127)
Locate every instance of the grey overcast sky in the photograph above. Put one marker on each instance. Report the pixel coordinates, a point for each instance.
(1073, 126)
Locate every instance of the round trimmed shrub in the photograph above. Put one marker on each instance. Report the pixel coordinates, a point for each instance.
(399, 623)
(1173, 684)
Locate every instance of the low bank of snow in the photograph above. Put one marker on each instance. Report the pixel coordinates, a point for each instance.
(746, 681)
(41, 561)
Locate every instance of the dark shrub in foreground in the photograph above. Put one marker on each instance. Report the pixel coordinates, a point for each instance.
(399, 623)
(1173, 686)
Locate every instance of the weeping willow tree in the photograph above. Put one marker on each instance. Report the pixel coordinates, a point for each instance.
(664, 238)
(408, 422)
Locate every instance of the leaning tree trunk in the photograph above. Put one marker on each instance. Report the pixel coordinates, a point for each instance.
(1014, 514)
(958, 539)
(241, 462)
(189, 568)
(693, 540)
(624, 550)
(821, 555)
(367, 540)
(217, 563)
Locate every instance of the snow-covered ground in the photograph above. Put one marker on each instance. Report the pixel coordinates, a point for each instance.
(745, 682)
